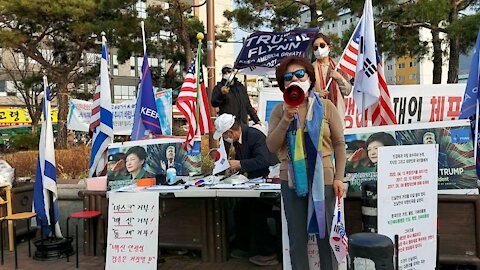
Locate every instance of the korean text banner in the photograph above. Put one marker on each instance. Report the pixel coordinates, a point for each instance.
(80, 110)
(265, 50)
(456, 166)
(134, 160)
(20, 117)
(411, 103)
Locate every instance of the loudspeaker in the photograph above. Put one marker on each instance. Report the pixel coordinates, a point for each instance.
(293, 95)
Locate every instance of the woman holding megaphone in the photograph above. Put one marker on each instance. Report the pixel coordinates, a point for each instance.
(305, 131)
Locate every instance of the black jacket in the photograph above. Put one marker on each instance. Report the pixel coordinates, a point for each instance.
(235, 102)
(253, 153)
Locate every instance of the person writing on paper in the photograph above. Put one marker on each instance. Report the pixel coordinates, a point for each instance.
(135, 161)
(251, 154)
(231, 97)
(325, 72)
(253, 158)
(308, 194)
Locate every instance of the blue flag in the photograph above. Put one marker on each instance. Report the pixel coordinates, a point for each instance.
(45, 188)
(471, 92)
(471, 97)
(146, 116)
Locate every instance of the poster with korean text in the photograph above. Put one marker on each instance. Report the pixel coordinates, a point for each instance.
(407, 202)
(132, 236)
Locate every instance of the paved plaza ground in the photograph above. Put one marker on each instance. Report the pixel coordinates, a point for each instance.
(171, 262)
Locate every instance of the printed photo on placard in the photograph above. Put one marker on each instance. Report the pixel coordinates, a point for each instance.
(456, 164)
(456, 167)
(362, 156)
(130, 161)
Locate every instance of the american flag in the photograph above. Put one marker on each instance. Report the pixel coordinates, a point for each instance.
(193, 103)
(381, 113)
(101, 123)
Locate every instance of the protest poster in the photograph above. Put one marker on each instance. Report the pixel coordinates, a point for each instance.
(134, 160)
(80, 111)
(407, 202)
(263, 51)
(456, 164)
(411, 103)
(132, 236)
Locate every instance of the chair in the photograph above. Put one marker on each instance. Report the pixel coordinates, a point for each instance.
(14, 218)
(6, 202)
(89, 215)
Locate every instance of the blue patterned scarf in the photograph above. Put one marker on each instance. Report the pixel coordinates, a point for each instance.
(305, 163)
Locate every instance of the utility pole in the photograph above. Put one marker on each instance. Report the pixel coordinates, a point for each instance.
(211, 58)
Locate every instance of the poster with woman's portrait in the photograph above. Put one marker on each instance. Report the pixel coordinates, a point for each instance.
(134, 160)
(456, 164)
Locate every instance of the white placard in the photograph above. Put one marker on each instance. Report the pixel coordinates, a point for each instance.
(407, 202)
(132, 241)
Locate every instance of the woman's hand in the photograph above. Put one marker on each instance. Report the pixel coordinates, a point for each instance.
(335, 74)
(358, 155)
(338, 187)
(289, 112)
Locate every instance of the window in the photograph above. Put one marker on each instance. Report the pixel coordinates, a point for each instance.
(328, 26)
(115, 65)
(412, 76)
(402, 65)
(413, 64)
(344, 22)
(401, 78)
(124, 92)
(351, 19)
(389, 79)
(333, 25)
(141, 8)
(389, 67)
(21, 62)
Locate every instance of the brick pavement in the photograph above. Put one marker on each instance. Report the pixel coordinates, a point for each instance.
(96, 263)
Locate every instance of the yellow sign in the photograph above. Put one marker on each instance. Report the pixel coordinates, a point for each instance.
(20, 117)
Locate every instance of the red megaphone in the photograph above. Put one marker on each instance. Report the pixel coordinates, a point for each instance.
(293, 95)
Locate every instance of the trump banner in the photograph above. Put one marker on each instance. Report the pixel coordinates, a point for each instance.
(456, 164)
(263, 51)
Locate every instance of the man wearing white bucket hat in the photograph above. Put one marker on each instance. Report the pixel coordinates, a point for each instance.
(250, 214)
(251, 153)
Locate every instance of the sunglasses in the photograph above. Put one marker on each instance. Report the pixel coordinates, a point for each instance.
(298, 73)
(321, 45)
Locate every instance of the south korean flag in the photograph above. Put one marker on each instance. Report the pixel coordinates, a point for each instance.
(366, 91)
(338, 236)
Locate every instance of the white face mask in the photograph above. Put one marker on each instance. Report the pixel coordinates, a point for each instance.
(321, 52)
(304, 85)
(228, 140)
(226, 77)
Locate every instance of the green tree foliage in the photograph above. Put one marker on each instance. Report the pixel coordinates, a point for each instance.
(453, 25)
(280, 15)
(67, 28)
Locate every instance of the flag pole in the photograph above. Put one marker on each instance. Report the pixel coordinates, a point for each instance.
(142, 25)
(343, 54)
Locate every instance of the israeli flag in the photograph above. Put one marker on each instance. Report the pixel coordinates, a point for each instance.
(45, 188)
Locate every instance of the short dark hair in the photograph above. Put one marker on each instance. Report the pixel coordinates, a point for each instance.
(323, 36)
(282, 69)
(138, 151)
(385, 138)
